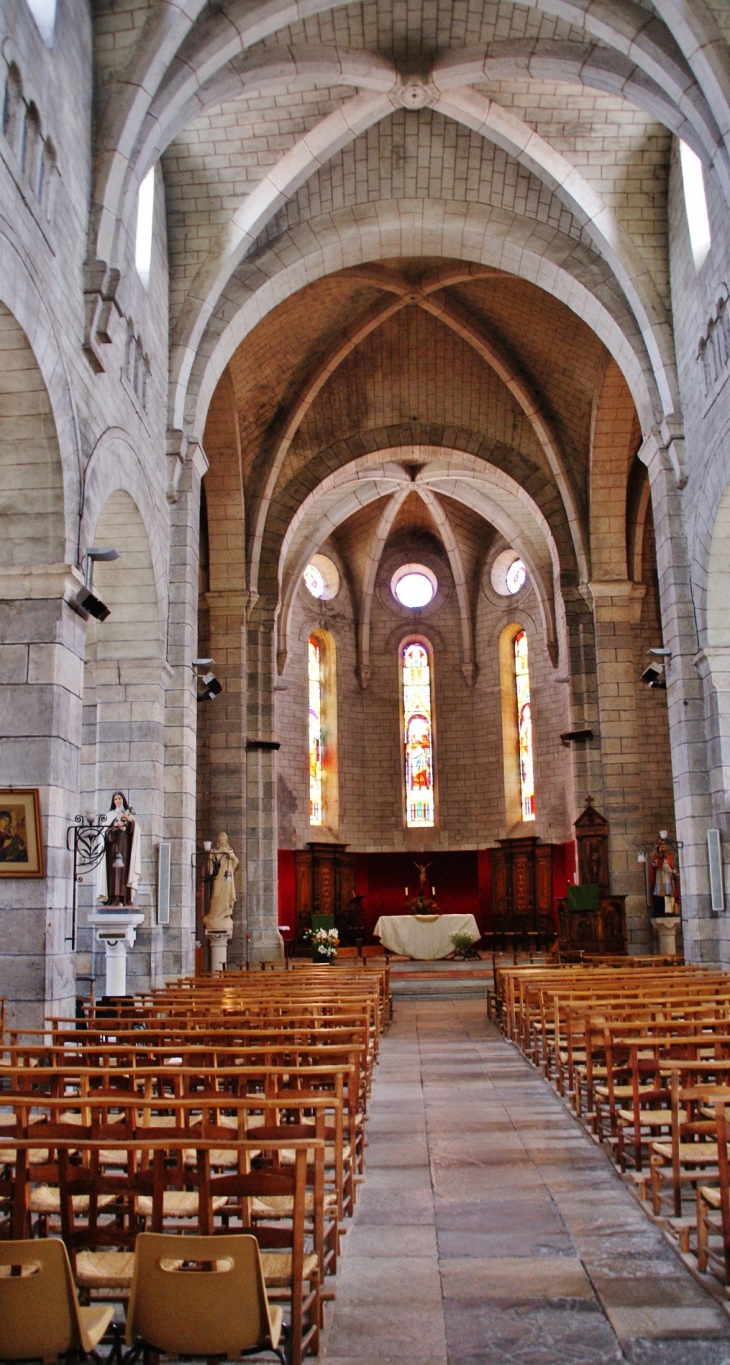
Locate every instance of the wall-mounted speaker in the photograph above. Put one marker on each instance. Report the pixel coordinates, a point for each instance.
(163, 884)
(714, 851)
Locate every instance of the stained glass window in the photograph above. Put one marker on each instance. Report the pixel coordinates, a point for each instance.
(417, 737)
(313, 580)
(524, 727)
(315, 733)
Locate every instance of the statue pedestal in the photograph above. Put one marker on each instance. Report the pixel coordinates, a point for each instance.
(665, 927)
(117, 930)
(218, 940)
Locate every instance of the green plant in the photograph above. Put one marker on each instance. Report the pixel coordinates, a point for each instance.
(463, 944)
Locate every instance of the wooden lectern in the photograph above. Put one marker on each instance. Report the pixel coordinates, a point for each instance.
(590, 919)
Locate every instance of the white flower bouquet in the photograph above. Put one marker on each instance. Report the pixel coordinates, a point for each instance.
(324, 943)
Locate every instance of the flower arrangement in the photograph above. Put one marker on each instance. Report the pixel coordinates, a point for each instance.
(324, 942)
(464, 945)
(423, 905)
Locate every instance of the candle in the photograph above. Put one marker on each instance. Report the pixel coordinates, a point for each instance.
(433, 890)
(406, 890)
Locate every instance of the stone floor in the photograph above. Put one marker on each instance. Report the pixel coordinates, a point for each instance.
(491, 1231)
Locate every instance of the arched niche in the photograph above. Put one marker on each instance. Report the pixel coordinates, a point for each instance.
(31, 477)
(126, 586)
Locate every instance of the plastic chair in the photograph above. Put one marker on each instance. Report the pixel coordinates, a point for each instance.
(212, 1303)
(40, 1316)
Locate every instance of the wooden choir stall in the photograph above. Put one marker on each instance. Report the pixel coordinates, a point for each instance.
(522, 915)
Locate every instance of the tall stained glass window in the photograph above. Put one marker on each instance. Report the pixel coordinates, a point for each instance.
(524, 727)
(417, 736)
(315, 733)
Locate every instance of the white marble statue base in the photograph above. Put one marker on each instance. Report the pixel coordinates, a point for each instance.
(666, 927)
(117, 930)
(218, 940)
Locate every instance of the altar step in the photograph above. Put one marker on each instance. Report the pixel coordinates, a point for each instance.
(445, 980)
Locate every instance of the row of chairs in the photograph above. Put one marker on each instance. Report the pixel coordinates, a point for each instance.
(227, 1106)
(643, 1059)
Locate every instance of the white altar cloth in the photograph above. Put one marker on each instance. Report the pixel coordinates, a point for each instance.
(412, 937)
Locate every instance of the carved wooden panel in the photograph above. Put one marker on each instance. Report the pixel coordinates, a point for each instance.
(522, 890)
(591, 833)
(325, 885)
(499, 881)
(543, 879)
(593, 931)
(522, 880)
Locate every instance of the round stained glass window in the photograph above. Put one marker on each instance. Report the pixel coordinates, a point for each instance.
(509, 573)
(321, 578)
(516, 575)
(413, 585)
(314, 580)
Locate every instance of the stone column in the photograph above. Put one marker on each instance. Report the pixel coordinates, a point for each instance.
(685, 704)
(181, 716)
(41, 681)
(616, 609)
(584, 712)
(225, 736)
(261, 762)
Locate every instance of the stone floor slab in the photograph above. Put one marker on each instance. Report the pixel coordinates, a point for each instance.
(492, 1231)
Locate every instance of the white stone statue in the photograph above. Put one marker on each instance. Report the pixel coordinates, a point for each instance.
(222, 864)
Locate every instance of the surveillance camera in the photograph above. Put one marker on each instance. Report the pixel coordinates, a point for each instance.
(211, 687)
(87, 604)
(653, 676)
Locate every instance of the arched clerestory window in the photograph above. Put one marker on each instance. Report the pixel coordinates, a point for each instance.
(517, 745)
(524, 727)
(417, 732)
(322, 729)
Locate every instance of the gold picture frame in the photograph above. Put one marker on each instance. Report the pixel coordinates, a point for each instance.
(21, 841)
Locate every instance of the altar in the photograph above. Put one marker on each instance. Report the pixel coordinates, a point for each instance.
(426, 937)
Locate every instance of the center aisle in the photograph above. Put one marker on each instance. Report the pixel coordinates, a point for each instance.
(491, 1231)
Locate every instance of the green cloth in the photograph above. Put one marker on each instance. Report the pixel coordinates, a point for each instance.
(587, 897)
(323, 921)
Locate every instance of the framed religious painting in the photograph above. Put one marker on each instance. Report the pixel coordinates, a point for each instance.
(21, 844)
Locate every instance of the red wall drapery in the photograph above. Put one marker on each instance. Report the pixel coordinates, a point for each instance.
(463, 882)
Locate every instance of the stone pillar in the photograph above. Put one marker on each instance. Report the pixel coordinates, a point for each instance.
(584, 712)
(616, 609)
(685, 705)
(181, 716)
(713, 666)
(261, 762)
(41, 681)
(225, 734)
